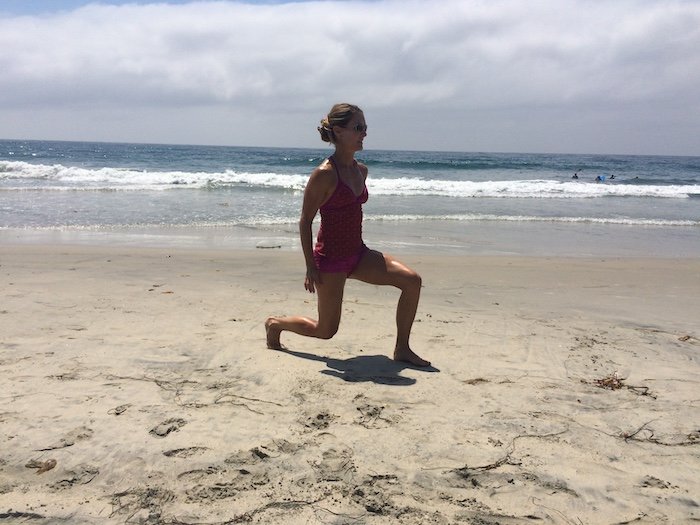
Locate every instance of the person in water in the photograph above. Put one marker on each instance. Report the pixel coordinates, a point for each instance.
(337, 189)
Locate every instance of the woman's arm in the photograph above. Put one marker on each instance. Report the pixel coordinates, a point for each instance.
(320, 186)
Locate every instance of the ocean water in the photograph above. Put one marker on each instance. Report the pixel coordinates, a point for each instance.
(462, 203)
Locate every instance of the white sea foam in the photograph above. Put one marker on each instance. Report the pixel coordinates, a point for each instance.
(62, 178)
(58, 177)
(525, 189)
(291, 222)
(524, 218)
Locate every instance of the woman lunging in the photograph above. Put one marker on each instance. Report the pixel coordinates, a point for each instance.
(337, 189)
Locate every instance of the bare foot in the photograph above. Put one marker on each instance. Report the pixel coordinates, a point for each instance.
(409, 356)
(273, 334)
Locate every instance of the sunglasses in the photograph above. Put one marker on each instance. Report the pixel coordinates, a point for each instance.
(360, 128)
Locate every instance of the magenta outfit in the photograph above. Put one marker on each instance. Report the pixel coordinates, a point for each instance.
(339, 245)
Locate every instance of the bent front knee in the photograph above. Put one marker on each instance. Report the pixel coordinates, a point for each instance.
(418, 280)
(326, 332)
(414, 281)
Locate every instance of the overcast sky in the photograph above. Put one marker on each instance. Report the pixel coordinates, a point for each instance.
(565, 76)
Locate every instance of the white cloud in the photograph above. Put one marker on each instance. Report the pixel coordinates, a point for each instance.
(525, 66)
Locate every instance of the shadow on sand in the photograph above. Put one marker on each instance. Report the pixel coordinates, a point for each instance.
(375, 368)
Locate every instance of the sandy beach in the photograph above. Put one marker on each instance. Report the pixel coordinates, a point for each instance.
(137, 388)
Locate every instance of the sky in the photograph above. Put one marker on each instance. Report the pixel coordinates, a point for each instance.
(542, 76)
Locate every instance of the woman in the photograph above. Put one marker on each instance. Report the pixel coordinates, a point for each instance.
(337, 189)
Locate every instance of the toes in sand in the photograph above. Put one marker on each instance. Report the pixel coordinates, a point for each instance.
(409, 356)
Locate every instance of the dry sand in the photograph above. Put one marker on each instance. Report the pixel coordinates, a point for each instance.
(136, 388)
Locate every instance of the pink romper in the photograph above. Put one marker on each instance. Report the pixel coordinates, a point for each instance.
(339, 245)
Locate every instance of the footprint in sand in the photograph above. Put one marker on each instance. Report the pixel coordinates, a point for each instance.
(166, 427)
(118, 411)
(375, 492)
(230, 485)
(336, 465)
(80, 475)
(320, 421)
(372, 499)
(185, 452)
(79, 434)
(152, 499)
(371, 414)
(246, 457)
(652, 482)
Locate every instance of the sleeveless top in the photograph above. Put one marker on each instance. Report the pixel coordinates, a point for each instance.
(340, 234)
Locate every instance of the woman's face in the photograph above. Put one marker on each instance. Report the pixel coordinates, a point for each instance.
(352, 135)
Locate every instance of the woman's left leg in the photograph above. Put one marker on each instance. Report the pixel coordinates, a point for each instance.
(377, 268)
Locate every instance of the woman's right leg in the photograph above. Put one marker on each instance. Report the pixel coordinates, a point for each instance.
(330, 304)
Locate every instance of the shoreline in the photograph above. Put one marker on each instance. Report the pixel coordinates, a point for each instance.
(478, 238)
(137, 387)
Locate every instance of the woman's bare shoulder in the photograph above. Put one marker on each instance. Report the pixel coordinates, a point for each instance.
(363, 169)
(324, 172)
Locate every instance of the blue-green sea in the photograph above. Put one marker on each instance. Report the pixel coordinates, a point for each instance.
(447, 202)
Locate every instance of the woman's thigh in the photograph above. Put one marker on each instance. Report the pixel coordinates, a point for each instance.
(381, 269)
(330, 299)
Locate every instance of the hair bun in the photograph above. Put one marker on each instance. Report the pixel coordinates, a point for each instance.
(325, 130)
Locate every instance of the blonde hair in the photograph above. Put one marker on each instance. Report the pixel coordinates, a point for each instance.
(339, 115)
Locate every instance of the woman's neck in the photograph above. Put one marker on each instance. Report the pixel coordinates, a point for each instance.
(344, 159)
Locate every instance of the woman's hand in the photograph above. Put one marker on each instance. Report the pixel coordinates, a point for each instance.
(313, 277)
